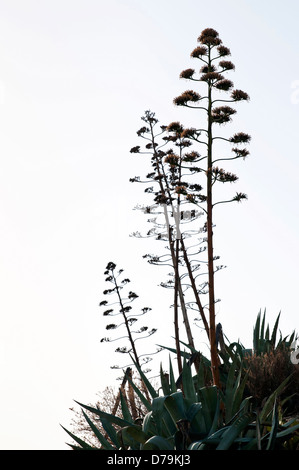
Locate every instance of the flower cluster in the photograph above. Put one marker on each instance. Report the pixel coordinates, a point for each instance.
(222, 114)
(188, 73)
(187, 96)
(209, 37)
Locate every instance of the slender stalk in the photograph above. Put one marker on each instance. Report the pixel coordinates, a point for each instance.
(209, 39)
(177, 276)
(176, 317)
(212, 330)
(126, 320)
(192, 280)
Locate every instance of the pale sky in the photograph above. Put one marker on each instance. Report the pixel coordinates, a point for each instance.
(75, 78)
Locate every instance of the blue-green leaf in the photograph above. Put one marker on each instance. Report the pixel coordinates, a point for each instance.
(144, 400)
(268, 406)
(171, 377)
(188, 384)
(147, 383)
(233, 431)
(164, 382)
(82, 443)
(175, 405)
(102, 414)
(274, 427)
(103, 441)
(110, 431)
(149, 425)
(125, 409)
(157, 443)
(137, 434)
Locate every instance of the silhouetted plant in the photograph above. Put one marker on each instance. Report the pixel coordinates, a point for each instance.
(174, 184)
(200, 418)
(124, 308)
(167, 189)
(110, 401)
(240, 403)
(211, 53)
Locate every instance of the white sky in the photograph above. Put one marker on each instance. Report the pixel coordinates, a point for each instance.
(75, 78)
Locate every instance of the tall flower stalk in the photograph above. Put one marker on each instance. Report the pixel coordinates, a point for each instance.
(211, 52)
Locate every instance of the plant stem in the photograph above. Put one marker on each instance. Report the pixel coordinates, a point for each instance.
(191, 277)
(214, 354)
(176, 317)
(126, 320)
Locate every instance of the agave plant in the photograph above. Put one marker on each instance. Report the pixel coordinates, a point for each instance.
(196, 416)
(264, 341)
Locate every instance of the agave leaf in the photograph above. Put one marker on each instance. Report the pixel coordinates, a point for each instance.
(171, 377)
(256, 442)
(102, 414)
(200, 379)
(234, 431)
(161, 417)
(238, 392)
(157, 443)
(188, 384)
(82, 443)
(128, 440)
(285, 400)
(271, 400)
(147, 383)
(274, 427)
(111, 432)
(243, 408)
(187, 355)
(258, 439)
(125, 409)
(281, 435)
(144, 400)
(192, 412)
(188, 346)
(286, 432)
(261, 335)
(230, 390)
(266, 339)
(216, 417)
(183, 353)
(103, 441)
(164, 382)
(234, 352)
(274, 332)
(197, 445)
(288, 342)
(149, 425)
(137, 434)
(196, 418)
(256, 334)
(289, 423)
(215, 437)
(208, 396)
(74, 447)
(292, 337)
(175, 406)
